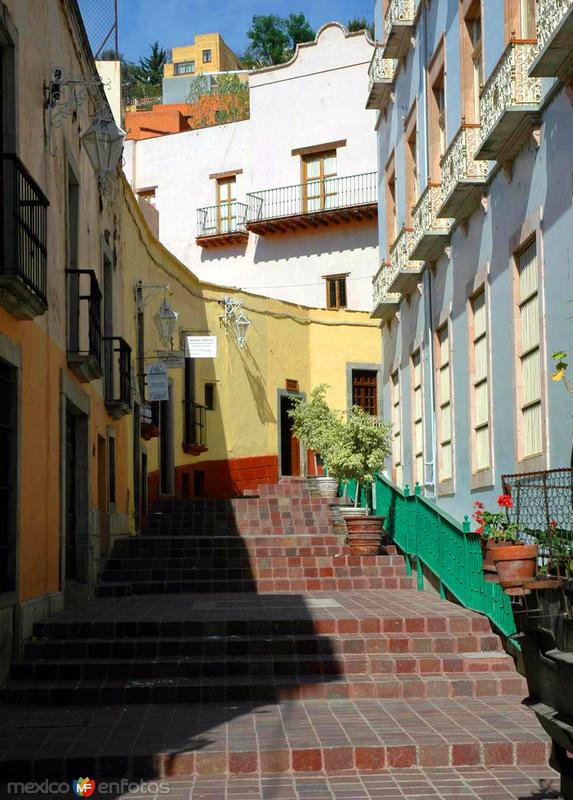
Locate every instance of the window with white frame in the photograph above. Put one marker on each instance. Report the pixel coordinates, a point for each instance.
(445, 466)
(480, 383)
(417, 419)
(396, 415)
(529, 352)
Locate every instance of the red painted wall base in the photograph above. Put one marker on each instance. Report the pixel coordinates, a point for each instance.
(219, 479)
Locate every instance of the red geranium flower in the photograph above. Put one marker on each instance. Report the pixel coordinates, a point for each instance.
(553, 524)
(504, 501)
(479, 530)
(478, 504)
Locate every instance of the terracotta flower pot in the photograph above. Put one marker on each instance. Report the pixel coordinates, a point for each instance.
(365, 535)
(488, 567)
(515, 564)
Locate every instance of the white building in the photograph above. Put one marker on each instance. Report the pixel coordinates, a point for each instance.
(284, 203)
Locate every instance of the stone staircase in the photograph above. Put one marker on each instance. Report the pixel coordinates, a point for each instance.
(241, 638)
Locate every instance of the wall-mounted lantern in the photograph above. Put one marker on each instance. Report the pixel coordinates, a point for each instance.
(103, 142)
(165, 322)
(235, 318)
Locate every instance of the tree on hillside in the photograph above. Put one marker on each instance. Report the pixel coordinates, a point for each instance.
(361, 24)
(149, 71)
(273, 39)
(216, 100)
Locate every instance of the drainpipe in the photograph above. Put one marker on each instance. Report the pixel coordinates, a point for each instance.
(427, 285)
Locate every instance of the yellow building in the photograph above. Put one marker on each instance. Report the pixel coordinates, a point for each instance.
(208, 53)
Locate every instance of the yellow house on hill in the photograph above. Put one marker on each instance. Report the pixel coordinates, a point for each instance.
(208, 53)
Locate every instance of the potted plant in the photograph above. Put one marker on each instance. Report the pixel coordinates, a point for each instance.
(507, 559)
(313, 421)
(356, 450)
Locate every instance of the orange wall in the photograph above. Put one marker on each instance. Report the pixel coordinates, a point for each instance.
(42, 361)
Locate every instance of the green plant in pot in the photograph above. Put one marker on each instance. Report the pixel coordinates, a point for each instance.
(313, 424)
(507, 560)
(356, 450)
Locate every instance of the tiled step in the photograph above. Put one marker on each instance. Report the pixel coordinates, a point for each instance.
(244, 646)
(260, 586)
(339, 561)
(317, 528)
(230, 547)
(274, 666)
(382, 612)
(226, 573)
(256, 688)
(293, 737)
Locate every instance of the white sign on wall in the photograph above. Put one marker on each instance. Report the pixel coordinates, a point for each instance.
(201, 346)
(157, 384)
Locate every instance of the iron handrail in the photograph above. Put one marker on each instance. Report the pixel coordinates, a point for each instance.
(222, 219)
(314, 196)
(92, 299)
(195, 418)
(117, 370)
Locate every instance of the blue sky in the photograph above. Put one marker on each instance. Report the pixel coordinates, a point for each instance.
(175, 22)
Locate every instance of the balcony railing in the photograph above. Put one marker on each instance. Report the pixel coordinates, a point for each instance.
(554, 36)
(195, 427)
(314, 202)
(221, 224)
(384, 303)
(23, 232)
(406, 271)
(430, 233)
(117, 376)
(508, 101)
(399, 27)
(84, 324)
(381, 77)
(463, 177)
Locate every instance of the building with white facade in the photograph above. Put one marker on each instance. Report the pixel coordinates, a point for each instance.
(284, 203)
(475, 135)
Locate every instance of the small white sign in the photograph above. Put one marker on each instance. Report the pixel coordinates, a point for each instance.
(201, 346)
(157, 383)
(175, 359)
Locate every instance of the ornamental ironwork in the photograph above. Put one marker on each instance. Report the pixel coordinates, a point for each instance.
(550, 14)
(509, 86)
(381, 70)
(425, 214)
(459, 164)
(381, 284)
(402, 11)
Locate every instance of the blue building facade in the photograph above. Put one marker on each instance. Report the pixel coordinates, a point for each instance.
(475, 149)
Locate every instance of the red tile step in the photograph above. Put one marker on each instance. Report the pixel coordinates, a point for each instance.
(274, 665)
(294, 737)
(131, 646)
(120, 588)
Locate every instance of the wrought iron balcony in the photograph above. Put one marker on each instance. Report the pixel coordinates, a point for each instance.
(399, 27)
(84, 324)
(509, 103)
(430, 233)
(384, 303)
(381, 77)
(397, 278)
(23, 241)
(555, 39)
(195, 427)
(222, 224)
(463, 178)
(313, 204)
(149, 420)
(117, 376)
(406, 271)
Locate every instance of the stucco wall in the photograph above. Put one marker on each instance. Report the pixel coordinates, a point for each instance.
(536, 191)
(316, 99)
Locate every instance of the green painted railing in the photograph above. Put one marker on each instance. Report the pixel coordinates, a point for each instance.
(442, 546)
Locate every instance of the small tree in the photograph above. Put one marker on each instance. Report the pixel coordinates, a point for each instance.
(360, 24)
(359, 448)
(149, 71)
(273, 39)
(314, 422)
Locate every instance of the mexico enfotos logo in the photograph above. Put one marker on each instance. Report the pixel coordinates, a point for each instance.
(86, 787)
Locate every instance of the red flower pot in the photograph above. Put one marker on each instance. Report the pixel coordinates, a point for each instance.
(365, 535)
(488, 567)
(515, 564)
